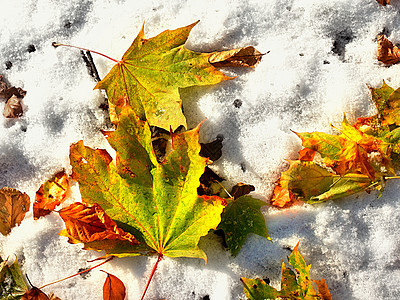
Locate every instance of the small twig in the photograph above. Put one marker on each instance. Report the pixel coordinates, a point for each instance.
(87, 270)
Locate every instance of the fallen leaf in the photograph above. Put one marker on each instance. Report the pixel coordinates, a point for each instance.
(323, 289)
(294, 285)
(113, 288)
(150, 73)
(241, 217)
(243, 57)
(6, 91)
(313, 183)
(282, 197)
(50, 194)
(155, 202)
(212, 150)
(12, 282)
(387, 52)
(307, 154)
(87, 223)
(210, 184)
(349, 152)
(35, 294)
(241, 189)
(13, 107)
(13, 206)
(53, 297)
(383, 2)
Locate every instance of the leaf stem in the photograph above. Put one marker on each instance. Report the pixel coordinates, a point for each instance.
(391, 177)
(55, 45)
(107, 260)
(226, 191)
(160, 256)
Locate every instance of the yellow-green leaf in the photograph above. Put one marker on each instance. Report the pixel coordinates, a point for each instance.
(294, 285)
(151, 72)
(155, 202)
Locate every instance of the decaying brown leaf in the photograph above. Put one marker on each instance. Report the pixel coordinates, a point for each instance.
(13, 206)
(13, 107)
(50, 194)
(35, 294)
(383, 2)
(241, 189)
(387, 52)
(53, 297)
(243, 57)
(323, 289)
(212, 150)
(13, 96)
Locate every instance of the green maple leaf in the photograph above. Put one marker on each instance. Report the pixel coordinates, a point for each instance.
(241, 217)
(139, 206)
(12, 284)
(151, 72)
(294, 285)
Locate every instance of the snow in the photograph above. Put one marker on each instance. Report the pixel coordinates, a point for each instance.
(322, 53)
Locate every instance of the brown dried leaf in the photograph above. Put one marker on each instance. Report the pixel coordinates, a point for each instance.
(87, 223)
(50, 194)
(113, 288)
(35, 294)
(383, 2)
(13, 206)
(387, 52)
(241, 189)
(13, 107)
(323, 289)
(53, 297)
(212, 150)
(243, 57)
(6, 91)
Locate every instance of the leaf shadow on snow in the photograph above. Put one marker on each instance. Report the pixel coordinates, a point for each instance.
(71, 20)
(14, 165)
(190, 98)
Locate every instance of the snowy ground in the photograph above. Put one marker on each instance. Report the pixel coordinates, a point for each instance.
(322, 55)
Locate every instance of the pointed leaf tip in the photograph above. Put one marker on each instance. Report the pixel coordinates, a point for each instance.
(113, 288)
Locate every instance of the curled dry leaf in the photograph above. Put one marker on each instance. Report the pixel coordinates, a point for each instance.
(35, 294)
(113, 288)
(383, 2)
(6, 91)
(241, 189)
(13, 206)
(88, 223)
(13, 107)
(387, 52)
(50, 194)
(243, 57)
(212, 150)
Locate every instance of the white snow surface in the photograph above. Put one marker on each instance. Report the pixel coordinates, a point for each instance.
(321, 55)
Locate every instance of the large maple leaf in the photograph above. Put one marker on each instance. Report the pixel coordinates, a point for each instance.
(151, 72)
(155, 202)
